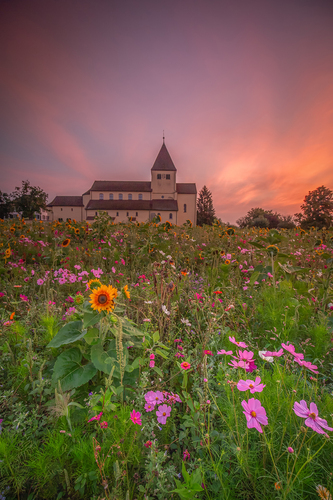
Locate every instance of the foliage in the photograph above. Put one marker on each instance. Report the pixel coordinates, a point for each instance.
(78, 410)
(317, 209)
(205, 209)
(29, 199)
(258, 217)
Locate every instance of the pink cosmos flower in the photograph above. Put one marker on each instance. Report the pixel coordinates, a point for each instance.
(239, 344)
(149, 406)
(2, 294)
(24, 298)
(103, 425)
(291, 349)
(148, 444)
(185, 365)
(96, 417)
(163, 413)
(224, 352)
(307, 364)
(186, 455)
(154, 397)
(273, 353)
(136, 417)
(312, 420)
(238, 364)
(256, 386)
(290, 449)
(152, 356)
(255, 414)
(178, 355)
(40, 282)
(247, 356)
(151, 363)
(208, 353)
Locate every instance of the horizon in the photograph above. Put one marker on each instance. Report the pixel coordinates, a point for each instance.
(243, 93)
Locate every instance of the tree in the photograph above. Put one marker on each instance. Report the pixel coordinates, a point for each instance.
(317, 209)
(205, 209)
(6, 205)
(259, 217)
(29, 199)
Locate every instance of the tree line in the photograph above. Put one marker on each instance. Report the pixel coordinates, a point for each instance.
(25, 200)
(316, 211)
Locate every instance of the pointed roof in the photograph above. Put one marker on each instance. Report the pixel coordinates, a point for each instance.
(163, 160)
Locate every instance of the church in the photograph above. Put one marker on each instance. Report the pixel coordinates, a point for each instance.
(141, 200)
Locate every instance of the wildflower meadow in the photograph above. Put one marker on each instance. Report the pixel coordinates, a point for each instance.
(151, 361)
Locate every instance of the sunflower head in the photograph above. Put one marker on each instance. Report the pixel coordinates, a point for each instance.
(230, 231)
(65, 243)
(272, 250)
(94, 283)
(77, 231)
(102, 298)
(227, 262)
(126, 292)
(8, 253)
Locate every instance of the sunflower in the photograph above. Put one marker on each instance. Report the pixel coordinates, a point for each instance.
(8, 253)
(272, 250)
(94, 283)
(227, 262)
(230, 231)
(12, 229)
(22, 236)
(222, 253)
(126, 292)
(65, 243)
(102, 299)
(77, 231)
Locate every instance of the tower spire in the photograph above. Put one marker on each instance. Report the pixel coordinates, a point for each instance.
(163, 137)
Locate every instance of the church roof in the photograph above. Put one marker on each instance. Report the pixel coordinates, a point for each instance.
(159, 204)
(164, 161)
(66, 201)
(186, 188)
(135, 186)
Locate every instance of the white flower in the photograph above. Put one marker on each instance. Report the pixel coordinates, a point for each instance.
(148, 302)
(162, 261)
(162, 253)
(168, 257)
(270, 359)
(164, 309)
(186, 322)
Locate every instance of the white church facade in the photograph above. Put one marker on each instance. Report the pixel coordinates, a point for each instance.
(140, 200)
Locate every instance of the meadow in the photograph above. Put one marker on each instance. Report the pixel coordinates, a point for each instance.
(150, 361)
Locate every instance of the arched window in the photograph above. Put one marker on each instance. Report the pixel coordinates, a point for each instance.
(120, 196)
(185, 208)
(140, 196)
(159, 176)
(111, 196)
(170, 215)
(101, 196)
(129, 196)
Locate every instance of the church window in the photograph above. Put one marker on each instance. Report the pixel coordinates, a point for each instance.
(101, 196)
(96, 213)
(111, 196)
(61, 210)
(159, 176)
(136, 213)
(71, 209)
(168, 176)
(129, 196)
(170, 216)
(185, 207)
(162, 196)
(120, 196)
(140, 196)
(127, 214)
(117, 214)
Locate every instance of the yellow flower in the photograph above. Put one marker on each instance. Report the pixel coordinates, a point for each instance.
(102, 299)
(77, 231)
(272, 249)
(126, 292)
(8, 253)
(66, 242)
(227, 262)
(94, 283)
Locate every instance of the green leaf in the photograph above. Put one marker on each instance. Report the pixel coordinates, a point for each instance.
(157, 370)
(92, 336)
(129, 328)
(68, 334)
(102, 359)
(156, 336)
(91, 318)
(257, 245)
(254, 277)
(69, 370)
(161, 353)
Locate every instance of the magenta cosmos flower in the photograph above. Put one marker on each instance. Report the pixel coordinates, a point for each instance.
(96, 417)
(154, 397)
(238, 364)
(256, 386)
(224, 352)
(163, 413)
(136, 417)
(185, 365)
(307, 365)
(239, 344)
(312, 420)
(291, 349)
(255, 414)
(247, 356)
(273, 353)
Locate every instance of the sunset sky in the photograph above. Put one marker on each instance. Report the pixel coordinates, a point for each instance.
(242, 88)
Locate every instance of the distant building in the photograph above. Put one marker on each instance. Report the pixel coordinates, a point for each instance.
(141, 200)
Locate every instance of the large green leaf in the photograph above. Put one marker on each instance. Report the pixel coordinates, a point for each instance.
(129, 328)
(103, 360)
(69, 370)
(90, 318)
(68, 334)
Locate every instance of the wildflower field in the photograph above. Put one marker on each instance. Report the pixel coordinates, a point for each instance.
(149, 361)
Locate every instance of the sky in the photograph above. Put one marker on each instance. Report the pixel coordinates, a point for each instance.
(243, 90)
